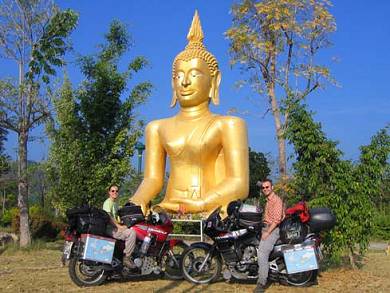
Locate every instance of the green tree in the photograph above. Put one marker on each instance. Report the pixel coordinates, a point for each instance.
(383, 201)
(9, 190)
(373, 168)
(373, 173)
(276, 42)
(258, 170)
(4, 165)
(38, 182)
(33, 33)
(323, 177)
(96, 129)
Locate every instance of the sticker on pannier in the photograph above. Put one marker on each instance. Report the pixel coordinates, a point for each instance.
(97, 248)
(300, 259)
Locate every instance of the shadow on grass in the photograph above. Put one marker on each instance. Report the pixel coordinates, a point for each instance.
(173, 284)
(134, 279)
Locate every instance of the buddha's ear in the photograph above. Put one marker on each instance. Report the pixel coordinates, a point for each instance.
(174, 97)
(214, 90)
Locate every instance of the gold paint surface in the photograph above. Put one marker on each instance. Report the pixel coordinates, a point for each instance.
(208, 153)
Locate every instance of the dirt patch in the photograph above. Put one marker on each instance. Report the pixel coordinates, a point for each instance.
(41, 271)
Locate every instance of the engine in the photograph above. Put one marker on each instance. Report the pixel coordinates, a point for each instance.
(247, 267)
(249, 255)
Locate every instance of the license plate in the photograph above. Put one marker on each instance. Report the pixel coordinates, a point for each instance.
(67, 249)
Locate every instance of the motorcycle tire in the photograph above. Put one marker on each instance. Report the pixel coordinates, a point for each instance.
(172, 269)
(191, 261)
(303, 279)
(83, 275)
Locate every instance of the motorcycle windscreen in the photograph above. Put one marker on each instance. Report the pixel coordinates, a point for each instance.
(300, 259)
(98, 248)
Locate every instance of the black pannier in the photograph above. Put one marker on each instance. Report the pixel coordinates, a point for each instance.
(292, 230)
(321, 219)
(88, 220)
(250, 215)
(131, 215)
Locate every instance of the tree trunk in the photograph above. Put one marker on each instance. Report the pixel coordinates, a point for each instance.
(3, 200)
(279, 135)
(278, 122)
(42, 199)
(352, 259)
(42, 189)
(25, 236)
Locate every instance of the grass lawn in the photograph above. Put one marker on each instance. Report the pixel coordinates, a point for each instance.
(40, 270)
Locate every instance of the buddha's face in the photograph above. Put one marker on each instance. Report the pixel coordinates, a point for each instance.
(192, 82)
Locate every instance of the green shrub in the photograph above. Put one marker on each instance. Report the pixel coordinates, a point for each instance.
(382, 224)
(9, 214)
(43, 225)
(187, 227)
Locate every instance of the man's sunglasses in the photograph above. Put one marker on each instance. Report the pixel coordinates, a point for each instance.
(265, 187)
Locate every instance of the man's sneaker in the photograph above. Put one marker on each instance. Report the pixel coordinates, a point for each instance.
(260, 288)
(128, 263)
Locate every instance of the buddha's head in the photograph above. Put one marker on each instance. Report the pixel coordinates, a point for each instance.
(195, 74)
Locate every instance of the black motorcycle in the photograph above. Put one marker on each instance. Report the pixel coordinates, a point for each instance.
(294, 259)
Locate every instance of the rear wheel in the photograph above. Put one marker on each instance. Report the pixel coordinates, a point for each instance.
(171, 261)
(302, 279)
(83, 274)
(199, 266)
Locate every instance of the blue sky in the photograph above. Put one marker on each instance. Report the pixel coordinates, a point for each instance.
(350, 114)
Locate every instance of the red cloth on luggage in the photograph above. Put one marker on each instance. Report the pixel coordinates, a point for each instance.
(300, 208)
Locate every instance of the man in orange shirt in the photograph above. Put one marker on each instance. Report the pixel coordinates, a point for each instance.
(273, 215)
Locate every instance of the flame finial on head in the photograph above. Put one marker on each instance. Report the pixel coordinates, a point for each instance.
(195, 47)
(195, 35)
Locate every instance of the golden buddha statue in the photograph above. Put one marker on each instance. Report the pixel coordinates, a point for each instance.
(208, 153)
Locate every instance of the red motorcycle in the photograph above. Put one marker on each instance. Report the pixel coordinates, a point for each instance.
(93, 257)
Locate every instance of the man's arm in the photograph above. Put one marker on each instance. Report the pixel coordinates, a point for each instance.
(266, 233)
(107, 206)
(276, 217)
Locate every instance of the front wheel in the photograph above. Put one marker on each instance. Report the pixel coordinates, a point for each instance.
(302, 279)
(199, 266)
(83, 274)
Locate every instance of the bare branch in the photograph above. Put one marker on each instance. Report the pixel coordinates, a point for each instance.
(37, 119)
(8, 125)
(289, 55)
(262, 66)
(309, 90)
